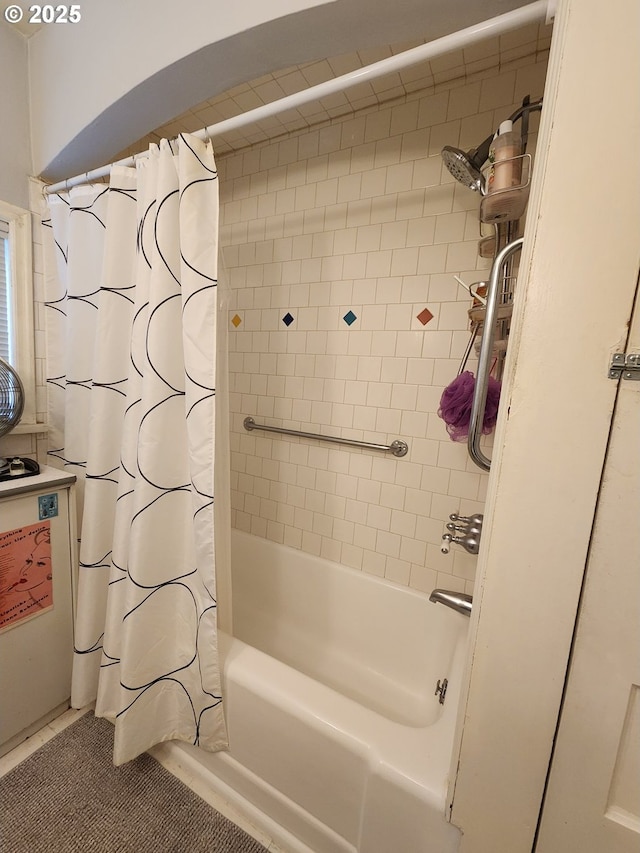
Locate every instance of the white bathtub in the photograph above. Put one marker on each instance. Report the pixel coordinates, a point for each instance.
(337, 741)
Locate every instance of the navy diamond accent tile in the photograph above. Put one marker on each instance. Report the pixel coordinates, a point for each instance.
(287, 319)
(349, 318)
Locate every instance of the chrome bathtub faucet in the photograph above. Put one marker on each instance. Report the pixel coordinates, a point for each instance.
(458, 601)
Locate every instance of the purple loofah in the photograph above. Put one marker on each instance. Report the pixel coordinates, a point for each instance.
(456, 402)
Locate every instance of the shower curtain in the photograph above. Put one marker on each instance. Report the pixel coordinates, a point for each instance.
(131, 275)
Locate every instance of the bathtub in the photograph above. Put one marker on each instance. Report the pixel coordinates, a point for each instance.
(338, 742)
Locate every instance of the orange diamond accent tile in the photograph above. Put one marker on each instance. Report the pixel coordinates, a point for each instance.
(424, 316)
(236, 320)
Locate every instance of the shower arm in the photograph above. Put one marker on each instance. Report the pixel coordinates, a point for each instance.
(486, 352)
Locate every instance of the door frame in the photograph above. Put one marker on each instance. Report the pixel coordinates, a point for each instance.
(577, 278)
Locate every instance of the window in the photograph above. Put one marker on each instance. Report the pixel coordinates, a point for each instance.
(16, 301)
(5, 297)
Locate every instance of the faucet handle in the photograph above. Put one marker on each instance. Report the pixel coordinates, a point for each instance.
(474, 520)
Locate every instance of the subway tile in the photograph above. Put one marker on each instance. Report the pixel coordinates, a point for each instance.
(433, 109)
(387, 152)
(363, 158)
(364, 293)
(392, 495)
(384, 208)
(368, 490)
(351, 555)
(438, 199)
(393, 235)
(461, 256)
(432, 259)
(421, 578)
(497, 91)
(404, 118)
(410, 204)
(415, 146)
(404, 261)
(403, 523)
(404, 396)
(292, 536)
(399, 177)
(408, 344)
(356, 511)
(343, 530)
(369, 222)
(398, 571)
(418, 500)
(373, 563)
(368, 238)
(388, 543)
(413, 424)
(331, 550)
(444, 371)
(379, 517)
(377, 125)
(409, 473)
(464, 565)
(450, 228)
(348, 188)
(358, 212)
(388, 421)
(453, 316)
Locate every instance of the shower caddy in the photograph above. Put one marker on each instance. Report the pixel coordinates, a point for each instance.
(492, 309)
(492, 306)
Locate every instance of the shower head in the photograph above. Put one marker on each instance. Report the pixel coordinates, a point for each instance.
(465, 166)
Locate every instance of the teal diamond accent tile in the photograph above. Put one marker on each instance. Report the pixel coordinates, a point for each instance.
(349, 318)
(287, 319)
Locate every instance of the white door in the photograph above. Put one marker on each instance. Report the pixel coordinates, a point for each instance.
(592, 803)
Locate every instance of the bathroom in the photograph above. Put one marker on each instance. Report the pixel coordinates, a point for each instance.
(394, 227)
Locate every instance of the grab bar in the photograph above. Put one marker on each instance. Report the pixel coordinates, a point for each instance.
(397, 447)
(484, 358)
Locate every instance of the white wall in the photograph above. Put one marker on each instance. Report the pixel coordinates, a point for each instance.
(127, 68)
(14, 117)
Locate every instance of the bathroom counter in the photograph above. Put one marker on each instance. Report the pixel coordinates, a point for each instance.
(48, 478)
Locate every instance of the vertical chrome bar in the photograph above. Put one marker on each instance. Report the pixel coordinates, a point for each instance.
(484, 359)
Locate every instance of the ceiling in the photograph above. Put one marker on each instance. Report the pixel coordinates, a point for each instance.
(442, 72)
(245, 68)
(23, 26)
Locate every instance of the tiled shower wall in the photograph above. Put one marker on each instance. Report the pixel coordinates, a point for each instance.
(339, 249)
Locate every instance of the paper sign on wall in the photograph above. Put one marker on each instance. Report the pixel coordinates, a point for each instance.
(26, 584)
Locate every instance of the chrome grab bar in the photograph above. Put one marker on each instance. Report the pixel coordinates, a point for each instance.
(484, 359)
(397, 447)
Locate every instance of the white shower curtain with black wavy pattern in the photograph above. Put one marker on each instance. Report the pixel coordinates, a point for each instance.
(131, 305)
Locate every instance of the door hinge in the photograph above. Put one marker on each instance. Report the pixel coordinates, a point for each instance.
(625, 366)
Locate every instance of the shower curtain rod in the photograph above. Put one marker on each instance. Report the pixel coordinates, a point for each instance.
(529, 14)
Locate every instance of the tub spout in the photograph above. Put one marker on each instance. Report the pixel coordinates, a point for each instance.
(458, 601)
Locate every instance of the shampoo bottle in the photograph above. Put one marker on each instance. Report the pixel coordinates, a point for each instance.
(505, 172)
